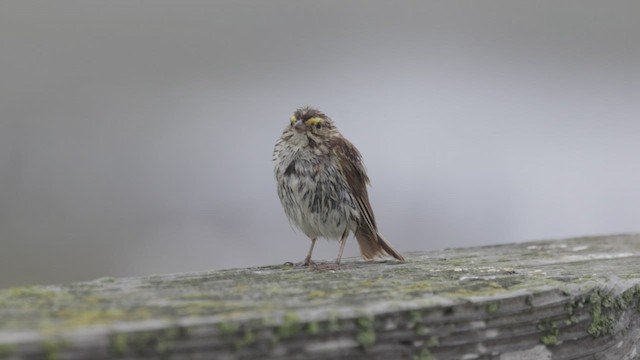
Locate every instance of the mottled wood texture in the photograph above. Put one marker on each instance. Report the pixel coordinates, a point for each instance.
(564, 299)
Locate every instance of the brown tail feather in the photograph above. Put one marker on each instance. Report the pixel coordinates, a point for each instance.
(388, 248)
(372, 246)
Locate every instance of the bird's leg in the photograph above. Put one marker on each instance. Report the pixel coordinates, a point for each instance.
(343, 242)
(307, 260)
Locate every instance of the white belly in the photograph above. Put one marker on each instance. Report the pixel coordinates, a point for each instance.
(316, 199)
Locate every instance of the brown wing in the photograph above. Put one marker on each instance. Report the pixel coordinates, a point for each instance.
(371, 243)
(354, 172)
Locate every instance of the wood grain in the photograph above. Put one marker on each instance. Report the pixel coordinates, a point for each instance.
(564, 299)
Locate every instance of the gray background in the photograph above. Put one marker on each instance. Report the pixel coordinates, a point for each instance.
(136, 136)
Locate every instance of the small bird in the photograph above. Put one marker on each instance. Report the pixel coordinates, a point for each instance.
(322, 185)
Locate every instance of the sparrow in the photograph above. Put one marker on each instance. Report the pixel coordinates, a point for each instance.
(322, 185)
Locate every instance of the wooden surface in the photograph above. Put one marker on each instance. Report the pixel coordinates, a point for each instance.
(565, 299)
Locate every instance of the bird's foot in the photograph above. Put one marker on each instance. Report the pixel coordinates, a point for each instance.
(305, 263)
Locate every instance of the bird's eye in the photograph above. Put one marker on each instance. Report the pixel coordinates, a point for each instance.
(318, 125)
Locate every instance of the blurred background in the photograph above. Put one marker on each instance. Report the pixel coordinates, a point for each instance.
(136, 136)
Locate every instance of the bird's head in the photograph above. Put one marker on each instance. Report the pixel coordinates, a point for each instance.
(307, 119)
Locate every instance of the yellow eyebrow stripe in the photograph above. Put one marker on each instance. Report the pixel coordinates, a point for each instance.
(314, 120)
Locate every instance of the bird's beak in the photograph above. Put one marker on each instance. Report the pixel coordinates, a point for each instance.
(299, 125)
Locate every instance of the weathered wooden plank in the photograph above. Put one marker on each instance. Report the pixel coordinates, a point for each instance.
(565, 299)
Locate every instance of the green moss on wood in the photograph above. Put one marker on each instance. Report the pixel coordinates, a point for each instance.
(492, 308)
(248, 338)
(313, 328)
(290, 326)
(333, 325)
(227, 328)
(317, 294)
(157, 342)
(415, 317)
(118, 344)
(424, 354)
(607, 309)
(549, 332)
(605, 312)
(366, 333)
(51, 348)
(432, 341)
(6, 350)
